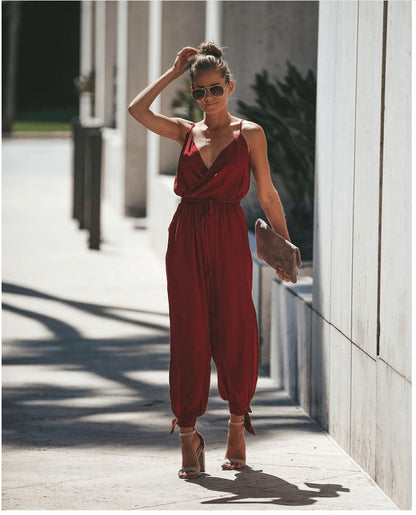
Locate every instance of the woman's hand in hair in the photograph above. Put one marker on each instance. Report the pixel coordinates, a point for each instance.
(183, 59)
(168, 127)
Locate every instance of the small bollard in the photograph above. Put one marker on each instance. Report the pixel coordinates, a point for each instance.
(78, 179)
(92, 186)
(86, 186)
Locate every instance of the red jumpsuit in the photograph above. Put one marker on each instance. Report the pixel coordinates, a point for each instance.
(209, 278)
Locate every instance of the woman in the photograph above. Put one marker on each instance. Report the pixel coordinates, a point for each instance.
(208, 259)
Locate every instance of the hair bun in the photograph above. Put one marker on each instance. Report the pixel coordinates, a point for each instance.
(210, 48)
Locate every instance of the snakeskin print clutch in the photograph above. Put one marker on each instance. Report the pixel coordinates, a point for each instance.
(277, 251)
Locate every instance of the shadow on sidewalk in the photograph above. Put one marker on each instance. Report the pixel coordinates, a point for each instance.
(92, 309)
(256, 487)
(84, 391)
(79, 391)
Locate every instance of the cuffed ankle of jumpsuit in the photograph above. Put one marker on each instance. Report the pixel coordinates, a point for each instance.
(190, 422)
(238, 412)
(182, 422)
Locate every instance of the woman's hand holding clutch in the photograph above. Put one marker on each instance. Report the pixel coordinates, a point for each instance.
(282, 274)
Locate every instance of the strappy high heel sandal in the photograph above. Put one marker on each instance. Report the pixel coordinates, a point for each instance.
(200, 454)
(229, 463)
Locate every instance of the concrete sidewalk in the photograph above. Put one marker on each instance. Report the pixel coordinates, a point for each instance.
(86, 413)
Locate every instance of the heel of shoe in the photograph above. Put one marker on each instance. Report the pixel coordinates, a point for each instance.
(201, 459)
(201, 453)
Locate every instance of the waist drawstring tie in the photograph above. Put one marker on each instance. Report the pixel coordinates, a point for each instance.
(208, 202)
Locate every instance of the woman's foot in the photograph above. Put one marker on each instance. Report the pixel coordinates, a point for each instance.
(192, 447)
(235, 457)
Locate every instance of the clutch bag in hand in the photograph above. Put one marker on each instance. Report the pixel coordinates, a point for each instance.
(277, 251)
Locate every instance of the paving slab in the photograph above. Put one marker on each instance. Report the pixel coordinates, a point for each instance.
(86, 412)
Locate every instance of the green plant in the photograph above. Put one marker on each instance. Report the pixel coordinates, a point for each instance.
(184, 106)
(286, 111)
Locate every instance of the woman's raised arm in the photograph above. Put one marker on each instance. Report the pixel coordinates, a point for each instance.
(139, 107)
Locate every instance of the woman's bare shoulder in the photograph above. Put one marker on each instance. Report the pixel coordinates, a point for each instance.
(253, 133)
(185, 127)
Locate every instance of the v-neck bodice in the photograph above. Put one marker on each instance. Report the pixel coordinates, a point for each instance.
(219, 153)
(228, 177)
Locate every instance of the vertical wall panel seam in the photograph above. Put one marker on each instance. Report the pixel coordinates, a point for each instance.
(380, 189)
(380, 199)
(335, 46)
(353, 212)
(328, 364)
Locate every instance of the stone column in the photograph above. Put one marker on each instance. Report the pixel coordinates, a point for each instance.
(86, 53)
(105, 59)
(213, 21)
(153, 72)
(132, 77)
(113, 159)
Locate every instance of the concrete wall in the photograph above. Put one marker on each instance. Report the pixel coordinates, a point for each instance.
(293, 357)
(340, 344)
(393, 390)
(362, 224)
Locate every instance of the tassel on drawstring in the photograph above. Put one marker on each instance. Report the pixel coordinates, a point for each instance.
(174, 422)
(247, 422)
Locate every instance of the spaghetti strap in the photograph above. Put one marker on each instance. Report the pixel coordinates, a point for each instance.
(188, 135)
(241, 125)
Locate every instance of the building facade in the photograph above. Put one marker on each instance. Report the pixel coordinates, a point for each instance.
(361, 308)
(340, 342)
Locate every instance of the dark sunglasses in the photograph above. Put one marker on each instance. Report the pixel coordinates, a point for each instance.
(200, 93)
